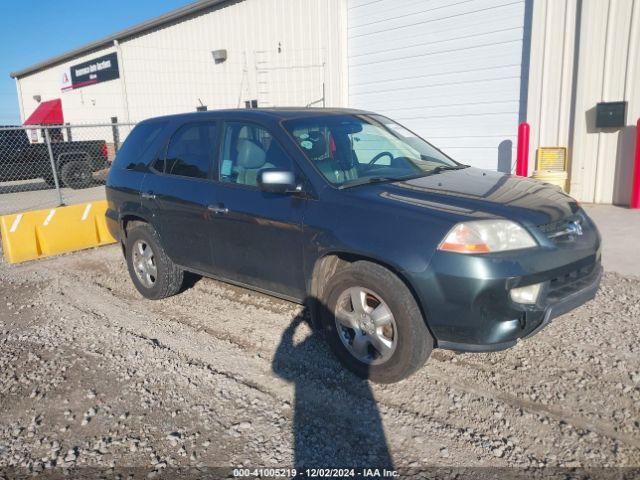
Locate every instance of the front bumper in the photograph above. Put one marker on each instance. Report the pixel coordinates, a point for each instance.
(556, 308)
(466, 298)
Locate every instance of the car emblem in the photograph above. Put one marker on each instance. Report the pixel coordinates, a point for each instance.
(574, 228)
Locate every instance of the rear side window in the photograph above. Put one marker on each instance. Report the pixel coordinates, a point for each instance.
(140, 146)
(191, 150)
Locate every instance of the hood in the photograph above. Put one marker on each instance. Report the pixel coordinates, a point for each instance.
(480, 193)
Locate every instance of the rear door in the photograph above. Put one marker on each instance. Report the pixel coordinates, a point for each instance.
(258, 234)
(179, 189)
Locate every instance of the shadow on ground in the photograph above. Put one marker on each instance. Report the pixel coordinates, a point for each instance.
(336, 421)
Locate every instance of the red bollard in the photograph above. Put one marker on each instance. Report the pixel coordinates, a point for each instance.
(522, 162)
(635, 185)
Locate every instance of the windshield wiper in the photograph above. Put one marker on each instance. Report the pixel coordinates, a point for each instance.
(443, 168)
(368, 180)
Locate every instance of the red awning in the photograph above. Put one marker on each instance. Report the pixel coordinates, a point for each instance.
(47, 113)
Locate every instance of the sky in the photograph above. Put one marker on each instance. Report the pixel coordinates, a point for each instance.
(35, 30)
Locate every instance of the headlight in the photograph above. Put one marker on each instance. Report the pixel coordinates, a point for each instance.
(484, 236)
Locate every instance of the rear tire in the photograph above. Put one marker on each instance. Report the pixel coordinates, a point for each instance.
(76, 175)
(405, 339)
(153, 273)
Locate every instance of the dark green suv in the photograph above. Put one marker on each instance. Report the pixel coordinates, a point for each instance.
(396, 247)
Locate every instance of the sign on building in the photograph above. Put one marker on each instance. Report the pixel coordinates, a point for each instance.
(65, 80)
(99, 70)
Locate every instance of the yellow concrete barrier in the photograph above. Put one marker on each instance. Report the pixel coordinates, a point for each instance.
(41, 233)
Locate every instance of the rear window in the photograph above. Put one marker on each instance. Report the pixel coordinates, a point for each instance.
(140, 146)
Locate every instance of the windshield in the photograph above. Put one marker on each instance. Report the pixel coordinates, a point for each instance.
(355, 149)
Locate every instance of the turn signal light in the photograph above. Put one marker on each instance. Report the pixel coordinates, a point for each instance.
(463, 239)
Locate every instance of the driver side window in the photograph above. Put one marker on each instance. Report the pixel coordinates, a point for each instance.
(246, 150)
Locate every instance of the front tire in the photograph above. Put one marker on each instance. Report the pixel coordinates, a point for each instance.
(153, 273)
(375, 326)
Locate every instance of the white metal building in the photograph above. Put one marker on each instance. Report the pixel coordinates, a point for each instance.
(461, 73)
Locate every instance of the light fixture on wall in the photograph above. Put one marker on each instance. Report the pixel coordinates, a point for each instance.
(37, 98)
(219, 56)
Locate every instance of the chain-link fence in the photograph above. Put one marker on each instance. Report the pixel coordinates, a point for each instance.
(48, 166)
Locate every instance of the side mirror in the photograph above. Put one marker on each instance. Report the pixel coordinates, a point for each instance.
(278, 181)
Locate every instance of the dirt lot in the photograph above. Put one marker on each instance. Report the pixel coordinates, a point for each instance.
(93, 375)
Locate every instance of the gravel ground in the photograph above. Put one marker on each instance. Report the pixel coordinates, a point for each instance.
(92, 375)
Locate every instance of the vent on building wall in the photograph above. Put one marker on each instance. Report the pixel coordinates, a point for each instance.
(219, 56)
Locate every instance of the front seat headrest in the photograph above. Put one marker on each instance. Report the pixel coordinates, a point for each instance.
(250, 154)
(315, 146)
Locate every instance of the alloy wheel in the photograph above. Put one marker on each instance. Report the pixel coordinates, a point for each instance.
(366, 326)
(144, 263)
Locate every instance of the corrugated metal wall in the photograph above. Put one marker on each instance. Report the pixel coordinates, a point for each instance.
(280, 52)
(450, 70)
(567, 82)
(551, 74)
(456, 72)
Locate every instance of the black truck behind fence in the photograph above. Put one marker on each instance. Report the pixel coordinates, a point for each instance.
(75, 160)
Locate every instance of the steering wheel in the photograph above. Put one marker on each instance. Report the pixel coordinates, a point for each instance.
(379, 156)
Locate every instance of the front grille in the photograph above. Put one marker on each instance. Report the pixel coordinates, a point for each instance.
(571, 282)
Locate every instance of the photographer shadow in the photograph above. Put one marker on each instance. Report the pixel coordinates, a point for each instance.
(336, 421)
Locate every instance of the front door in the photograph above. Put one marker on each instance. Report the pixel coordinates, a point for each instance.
(179, 191)
(258, 234)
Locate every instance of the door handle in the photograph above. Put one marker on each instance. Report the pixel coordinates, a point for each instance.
(148, 195)
(218, 209)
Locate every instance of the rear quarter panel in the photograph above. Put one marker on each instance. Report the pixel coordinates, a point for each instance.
(123, 199)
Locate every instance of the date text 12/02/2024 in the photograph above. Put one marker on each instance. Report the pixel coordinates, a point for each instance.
(316, 472)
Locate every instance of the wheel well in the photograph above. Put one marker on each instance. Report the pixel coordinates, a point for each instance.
(328, 265)
(325, 267)
(72, 157)
(130, 221)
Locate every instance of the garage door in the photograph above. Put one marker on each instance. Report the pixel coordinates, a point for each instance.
(448, 69)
